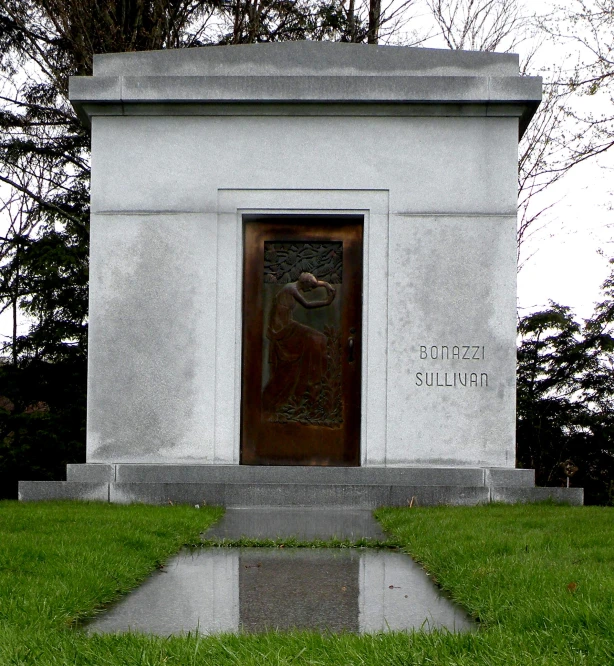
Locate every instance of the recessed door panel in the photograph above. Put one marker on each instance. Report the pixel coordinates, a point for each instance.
(302, 307)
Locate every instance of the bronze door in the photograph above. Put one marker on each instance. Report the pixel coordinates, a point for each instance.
(302, 314)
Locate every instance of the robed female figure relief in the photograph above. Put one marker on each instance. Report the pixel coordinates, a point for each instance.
(297, 353)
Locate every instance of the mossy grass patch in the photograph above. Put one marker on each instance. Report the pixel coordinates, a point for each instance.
(294, 542)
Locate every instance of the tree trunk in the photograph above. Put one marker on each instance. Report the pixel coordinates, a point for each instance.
(375, 12)
(352, 22)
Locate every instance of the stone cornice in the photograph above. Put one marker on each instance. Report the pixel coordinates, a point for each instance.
(253, 80)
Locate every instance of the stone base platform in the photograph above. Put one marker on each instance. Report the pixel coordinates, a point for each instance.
(246, 486)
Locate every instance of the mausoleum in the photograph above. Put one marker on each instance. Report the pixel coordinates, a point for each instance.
(303, 276)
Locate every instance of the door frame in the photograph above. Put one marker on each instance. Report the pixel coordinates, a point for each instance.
(232, 204)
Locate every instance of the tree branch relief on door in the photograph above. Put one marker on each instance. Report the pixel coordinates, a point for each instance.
(301, 380)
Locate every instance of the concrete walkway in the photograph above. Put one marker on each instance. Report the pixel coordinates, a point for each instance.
(238, 590)
(303, 523)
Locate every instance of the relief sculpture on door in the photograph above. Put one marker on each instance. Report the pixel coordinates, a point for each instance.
(304, 363)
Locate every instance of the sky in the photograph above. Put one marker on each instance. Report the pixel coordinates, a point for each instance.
(569, 259)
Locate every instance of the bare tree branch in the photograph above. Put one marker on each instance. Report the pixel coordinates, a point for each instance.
(45, 204)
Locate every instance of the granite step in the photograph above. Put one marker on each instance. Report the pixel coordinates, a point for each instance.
(357, 496)
(282, 474)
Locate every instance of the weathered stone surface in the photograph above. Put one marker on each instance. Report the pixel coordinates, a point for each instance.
(362, 496)
(414, 476)
(315, 72)
(98, 89)
(509, 478)
(37, 491)
(452, 386)
(90, 473)
(300, 523)
(224, 486)
(315, 89)
(437, 495)
(517, 495)
(306, 58)
(133, 421)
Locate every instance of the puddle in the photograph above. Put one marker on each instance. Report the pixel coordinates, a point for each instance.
(217, 590)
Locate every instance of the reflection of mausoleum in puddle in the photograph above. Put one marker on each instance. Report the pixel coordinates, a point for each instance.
(227, 590)
(303, 273)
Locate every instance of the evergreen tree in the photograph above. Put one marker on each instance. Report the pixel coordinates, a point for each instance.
(565, 426)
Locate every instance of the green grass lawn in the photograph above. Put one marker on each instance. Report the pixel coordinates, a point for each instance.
(540, 580)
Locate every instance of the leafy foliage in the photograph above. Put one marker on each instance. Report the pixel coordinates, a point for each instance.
(42, 425)
(587, 26)
(565, 424)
